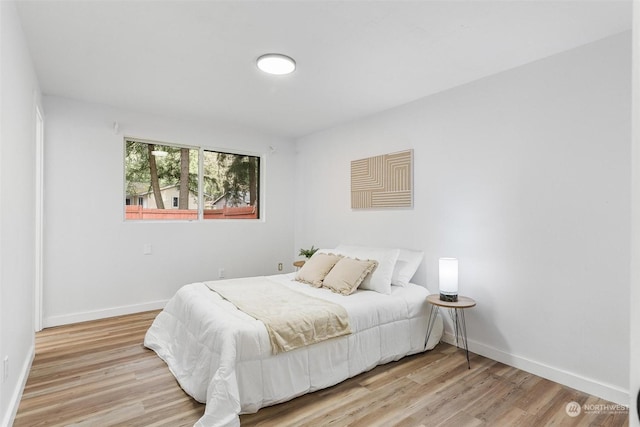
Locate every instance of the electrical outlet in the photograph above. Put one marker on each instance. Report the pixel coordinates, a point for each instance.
(146, 249)
(221, 273)
(279, 266)
(5, 368)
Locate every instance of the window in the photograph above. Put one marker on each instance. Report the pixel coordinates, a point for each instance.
(157, 173)
(231, 185)
(179, 182)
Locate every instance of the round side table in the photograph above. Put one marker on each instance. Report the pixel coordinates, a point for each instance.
(456, 310)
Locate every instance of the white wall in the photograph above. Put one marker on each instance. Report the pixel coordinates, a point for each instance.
(19, 95)
(94, 263)
(525, 177)
(634, 359)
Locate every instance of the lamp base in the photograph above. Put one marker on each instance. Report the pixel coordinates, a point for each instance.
(448, 297)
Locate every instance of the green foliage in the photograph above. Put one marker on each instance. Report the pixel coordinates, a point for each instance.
(239, 173)
(138, 175)
(308, 253)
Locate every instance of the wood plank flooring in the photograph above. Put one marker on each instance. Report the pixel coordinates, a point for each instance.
(99, 374)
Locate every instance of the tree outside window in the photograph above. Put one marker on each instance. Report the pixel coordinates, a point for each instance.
(163, 182)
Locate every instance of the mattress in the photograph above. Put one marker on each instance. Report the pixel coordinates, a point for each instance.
(222, 357)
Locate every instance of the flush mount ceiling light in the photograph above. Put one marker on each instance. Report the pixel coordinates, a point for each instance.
(159, 153)
(276, 63)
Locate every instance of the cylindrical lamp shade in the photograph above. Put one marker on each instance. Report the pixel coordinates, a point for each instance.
(448, 272)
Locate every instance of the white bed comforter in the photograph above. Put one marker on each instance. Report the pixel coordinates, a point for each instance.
(222, 357)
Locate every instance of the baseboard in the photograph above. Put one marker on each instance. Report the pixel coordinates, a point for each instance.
(14, 402)
(569, 379)
(85, 316)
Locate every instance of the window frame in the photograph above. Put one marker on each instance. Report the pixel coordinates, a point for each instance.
(200, 211)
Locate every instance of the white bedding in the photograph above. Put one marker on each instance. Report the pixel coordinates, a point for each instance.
(222, 357)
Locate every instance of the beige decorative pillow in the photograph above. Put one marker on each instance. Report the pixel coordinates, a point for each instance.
(345, 277)
(314, 271)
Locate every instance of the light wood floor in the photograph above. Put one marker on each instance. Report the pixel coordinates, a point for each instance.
(99, 374)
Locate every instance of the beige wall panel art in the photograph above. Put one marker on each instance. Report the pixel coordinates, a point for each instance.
(384, 181)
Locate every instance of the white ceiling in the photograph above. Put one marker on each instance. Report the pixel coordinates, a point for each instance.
(355, 58)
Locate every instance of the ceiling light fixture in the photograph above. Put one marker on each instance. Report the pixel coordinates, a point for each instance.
(276, 63)
(159, 153)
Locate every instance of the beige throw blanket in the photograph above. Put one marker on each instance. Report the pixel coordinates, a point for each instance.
(292, 318)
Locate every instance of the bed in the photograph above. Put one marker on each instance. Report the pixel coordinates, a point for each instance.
(224, 358)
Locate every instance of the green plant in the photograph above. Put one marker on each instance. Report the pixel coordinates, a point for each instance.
(307, 253)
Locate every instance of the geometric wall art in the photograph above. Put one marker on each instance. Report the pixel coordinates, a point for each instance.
(384, 181)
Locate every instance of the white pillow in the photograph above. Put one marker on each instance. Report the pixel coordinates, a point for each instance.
(406, 266)
(380, 278)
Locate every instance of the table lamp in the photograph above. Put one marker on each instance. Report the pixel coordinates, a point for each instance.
(448, 272)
